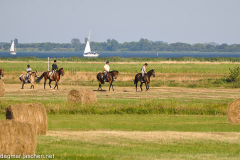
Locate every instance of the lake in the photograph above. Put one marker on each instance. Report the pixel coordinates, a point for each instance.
(124, 55)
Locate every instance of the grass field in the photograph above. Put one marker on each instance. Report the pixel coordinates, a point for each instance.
(168, 73)
(170, 121)
(139, 137)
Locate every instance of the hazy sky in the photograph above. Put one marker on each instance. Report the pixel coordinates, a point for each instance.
(58, 21)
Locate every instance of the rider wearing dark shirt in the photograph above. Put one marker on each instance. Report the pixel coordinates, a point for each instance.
(54, 68)
(54, 65)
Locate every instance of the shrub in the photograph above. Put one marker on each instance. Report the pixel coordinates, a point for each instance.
(234, 74)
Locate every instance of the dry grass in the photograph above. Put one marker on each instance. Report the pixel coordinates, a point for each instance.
(153, 136)
(82, 96)
(17, 138)
(32, 113)
(2, 89)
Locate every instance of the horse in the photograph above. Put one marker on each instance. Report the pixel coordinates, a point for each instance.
(112, 75)
(1, 73)
(30, 80)
(146, 79)
(56, 77)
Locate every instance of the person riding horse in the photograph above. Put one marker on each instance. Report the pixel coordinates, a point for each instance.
(29, 71)
(106, 70)
(54, 68)
(144, 71)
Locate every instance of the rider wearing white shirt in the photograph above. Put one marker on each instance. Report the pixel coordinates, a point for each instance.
(144, 71)
(106, 70)
(29, 71)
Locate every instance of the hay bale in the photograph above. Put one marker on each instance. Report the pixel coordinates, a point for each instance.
(233, 112)
(32, 113)
(2, 89)
(82, 96)
(17, 138)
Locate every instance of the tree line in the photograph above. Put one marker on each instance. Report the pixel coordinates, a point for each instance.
(114, 45)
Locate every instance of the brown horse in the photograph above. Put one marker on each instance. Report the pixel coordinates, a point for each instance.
(56, 77)
(30, 80)
(146, 79)
(1, 73)
(110, 78)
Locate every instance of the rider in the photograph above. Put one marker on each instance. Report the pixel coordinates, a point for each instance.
(144, 71)
(106, 70)
(54, 68)
(29, 71)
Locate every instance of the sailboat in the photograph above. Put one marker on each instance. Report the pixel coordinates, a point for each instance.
(87, 51)
(13, 48)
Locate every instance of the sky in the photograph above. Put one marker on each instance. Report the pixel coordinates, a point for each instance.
(59, 21)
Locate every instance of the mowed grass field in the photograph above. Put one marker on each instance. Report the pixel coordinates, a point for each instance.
(166, 122)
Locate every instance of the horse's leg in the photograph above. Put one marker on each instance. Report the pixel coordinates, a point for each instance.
(56, 85)
(50, 84)
(141, 86)
(99, 86)
(136, 85)
(31, 85)
(22, 84)
(45, 80)
(110, 86)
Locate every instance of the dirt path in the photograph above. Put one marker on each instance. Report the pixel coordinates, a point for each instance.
(14, 91)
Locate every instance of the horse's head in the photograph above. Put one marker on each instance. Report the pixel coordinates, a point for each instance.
(62, 71)
(36, 73)
(114, 74)
(2, 72)
(152, 72)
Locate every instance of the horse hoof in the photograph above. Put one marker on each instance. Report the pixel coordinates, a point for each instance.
(50, 88)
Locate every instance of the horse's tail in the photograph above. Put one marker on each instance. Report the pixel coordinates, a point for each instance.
(99, 76)
(20, 77)
(39, 78)
(135, 80)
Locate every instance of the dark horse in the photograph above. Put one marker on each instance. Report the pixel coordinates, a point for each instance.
(112, 75)
(1, 73)
(146, 79)
(56, 77)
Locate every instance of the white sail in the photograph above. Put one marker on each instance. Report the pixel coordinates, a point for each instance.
(88, 48)
(12, 49)
(87, 51)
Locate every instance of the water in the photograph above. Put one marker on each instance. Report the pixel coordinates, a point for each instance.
(124, 55)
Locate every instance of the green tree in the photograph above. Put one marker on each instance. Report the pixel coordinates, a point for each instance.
(16, 41)
(75, 41)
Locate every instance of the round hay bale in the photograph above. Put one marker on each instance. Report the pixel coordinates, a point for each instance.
(17, 138)
(82, 96)
(233, 112)
(32, 113)
(2, 89)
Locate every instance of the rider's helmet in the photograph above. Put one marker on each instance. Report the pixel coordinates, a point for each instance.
(107, 62)
(146, 64)
(55, 60)
(28, 65)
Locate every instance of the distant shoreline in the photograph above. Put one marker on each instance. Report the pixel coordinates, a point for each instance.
(115, 52)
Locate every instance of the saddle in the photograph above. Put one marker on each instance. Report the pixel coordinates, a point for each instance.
(52, 74)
